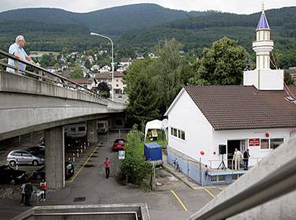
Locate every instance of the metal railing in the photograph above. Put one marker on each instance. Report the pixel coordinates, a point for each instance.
(42, 74)
(229, 163)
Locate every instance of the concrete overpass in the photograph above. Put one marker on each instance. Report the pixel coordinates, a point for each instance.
(40, 100)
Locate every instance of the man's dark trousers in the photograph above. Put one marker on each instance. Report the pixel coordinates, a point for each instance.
(107, 169)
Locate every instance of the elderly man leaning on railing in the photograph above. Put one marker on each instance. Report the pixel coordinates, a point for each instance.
(17, 49)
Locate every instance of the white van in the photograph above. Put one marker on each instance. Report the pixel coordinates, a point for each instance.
(102, 126)
(75, 130)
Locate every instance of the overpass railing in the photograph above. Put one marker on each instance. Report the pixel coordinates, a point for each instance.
(41, 74)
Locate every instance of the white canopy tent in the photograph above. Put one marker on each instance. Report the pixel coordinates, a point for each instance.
(156, 124)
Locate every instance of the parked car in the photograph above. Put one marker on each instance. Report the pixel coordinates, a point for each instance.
(38, 151)
(119, 144)
(23, 157)
(40, 173)
(12, 176)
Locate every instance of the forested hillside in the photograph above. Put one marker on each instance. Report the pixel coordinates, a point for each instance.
(140, 27)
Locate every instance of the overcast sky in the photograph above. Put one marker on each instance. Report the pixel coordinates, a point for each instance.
(236, 6)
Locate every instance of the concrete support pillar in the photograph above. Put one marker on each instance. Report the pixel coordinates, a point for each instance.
(92, 133)
(55, 158)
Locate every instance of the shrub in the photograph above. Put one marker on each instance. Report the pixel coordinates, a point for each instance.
(134, 167)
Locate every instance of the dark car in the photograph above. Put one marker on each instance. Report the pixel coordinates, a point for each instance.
(40, 173)
(119, 144)
(12, 176)
(38, 151)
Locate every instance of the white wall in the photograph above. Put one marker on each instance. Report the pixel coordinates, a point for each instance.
(185, 116)
(265, 79)
(221, 137)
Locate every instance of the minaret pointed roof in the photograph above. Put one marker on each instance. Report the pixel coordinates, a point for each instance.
(263, 23)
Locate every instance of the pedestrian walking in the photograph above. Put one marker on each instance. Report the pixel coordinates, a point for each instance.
(28, 193)
(107, 165)
(246, 159)
(23, 193)
(237, 157)
(43, 188)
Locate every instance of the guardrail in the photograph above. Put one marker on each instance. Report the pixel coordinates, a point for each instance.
(229, 163)
(42, 74)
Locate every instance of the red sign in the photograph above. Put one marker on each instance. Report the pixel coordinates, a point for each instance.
(253, 142)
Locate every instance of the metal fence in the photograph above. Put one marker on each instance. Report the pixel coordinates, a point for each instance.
(41, 74)
(230, 163)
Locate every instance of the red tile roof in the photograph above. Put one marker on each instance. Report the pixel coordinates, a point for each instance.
(105, 75)
(82, 80)
(244, 107)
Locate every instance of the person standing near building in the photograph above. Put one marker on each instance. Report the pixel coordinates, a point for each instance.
(107, 165)
(237, 156)
(17, 49)
(28, 193)
(246, 159)
(23, 193)
(43, 188)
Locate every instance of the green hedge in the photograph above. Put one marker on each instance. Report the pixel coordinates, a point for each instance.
(134, 167)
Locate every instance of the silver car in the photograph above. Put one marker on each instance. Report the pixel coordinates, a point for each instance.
(23, 157)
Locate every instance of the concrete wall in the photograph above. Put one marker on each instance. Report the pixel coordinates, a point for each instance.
(265, 79)
(280, 208)
(88, 212)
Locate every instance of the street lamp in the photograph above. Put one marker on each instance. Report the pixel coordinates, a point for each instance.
(112, 64)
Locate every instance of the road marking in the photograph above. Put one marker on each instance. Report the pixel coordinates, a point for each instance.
(211, 194)
(74, 177)
(179, 200)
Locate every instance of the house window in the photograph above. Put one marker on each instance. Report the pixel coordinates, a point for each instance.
(264, 143)
(275, 142)
(175, 132)
(178, 133)
(219, 178)
(183, 135)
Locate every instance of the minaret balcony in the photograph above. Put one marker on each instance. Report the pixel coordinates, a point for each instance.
(263, 43)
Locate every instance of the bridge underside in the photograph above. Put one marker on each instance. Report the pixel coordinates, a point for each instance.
(29, 105)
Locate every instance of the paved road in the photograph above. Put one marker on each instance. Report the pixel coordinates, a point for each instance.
(90, 184)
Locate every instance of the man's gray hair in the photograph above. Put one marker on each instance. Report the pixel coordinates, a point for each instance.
(18, 38)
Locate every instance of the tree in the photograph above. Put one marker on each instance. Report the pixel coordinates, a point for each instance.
(77, 72)
(288, 79)
(47, 60)
(143, 105)
(104, 90)
(87, 64)
(222, 64)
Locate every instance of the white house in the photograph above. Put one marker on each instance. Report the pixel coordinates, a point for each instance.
(88, 83)
(105, 69)
(259, 115)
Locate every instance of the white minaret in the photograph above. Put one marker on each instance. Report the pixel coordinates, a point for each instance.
(264, 78)
(263, 45)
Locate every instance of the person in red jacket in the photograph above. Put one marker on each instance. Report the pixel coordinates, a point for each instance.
(43, 188)
(107, 165)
